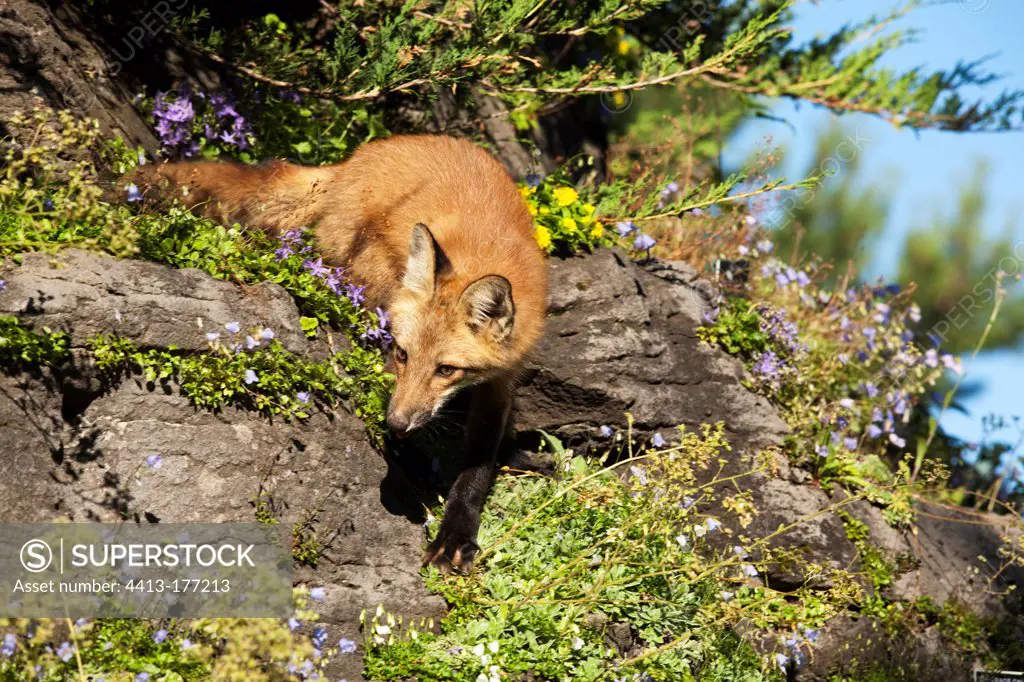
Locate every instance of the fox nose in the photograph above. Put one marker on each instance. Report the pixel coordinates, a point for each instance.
(400, 423)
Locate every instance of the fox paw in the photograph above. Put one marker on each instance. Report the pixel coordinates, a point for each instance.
(451, 553)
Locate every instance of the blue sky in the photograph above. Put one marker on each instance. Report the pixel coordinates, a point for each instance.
(926, 168)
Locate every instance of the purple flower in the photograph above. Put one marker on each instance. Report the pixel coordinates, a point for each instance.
(625, 228)
(605, 431)
(294, 624)
(154, 461)
(133, 192)
(749, 571)
(178, 111)
(186, 644)
(533, 179)
(10, 643)
(821, 450)
(317, 593)
(233, 327)
(712, 525)
(212, 336)
(846, 403)
(765, 246)
(250, 376)
(931, 358)
(315, 267)
(142, 677)
(159, 636)
(709, 316)
(302, 396)
(850, 443)
(251, 343)
(267, 333)
(870, 389)
(657, 440)
(639, 474)
(782, 660)
(347, 646)
(897, 441)
(65, 651)
(802, 279)
(3, 284)
(644, 242)
(874, 431)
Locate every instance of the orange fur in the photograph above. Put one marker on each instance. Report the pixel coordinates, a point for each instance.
(362, 212)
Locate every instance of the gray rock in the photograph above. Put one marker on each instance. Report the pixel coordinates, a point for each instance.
(86, 294)
(82, 457)
(621, 338)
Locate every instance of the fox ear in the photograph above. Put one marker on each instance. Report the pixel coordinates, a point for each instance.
(488, 306)
(425, 261)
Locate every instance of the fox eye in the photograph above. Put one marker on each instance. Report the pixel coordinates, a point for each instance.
(445, 370)
(400, 355)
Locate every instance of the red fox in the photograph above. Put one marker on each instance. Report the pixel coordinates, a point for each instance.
(437, 232)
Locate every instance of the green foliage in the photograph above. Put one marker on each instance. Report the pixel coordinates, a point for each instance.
(268, 379)
(127, 650)
(737, 329)
(566, 560)
(20, 346)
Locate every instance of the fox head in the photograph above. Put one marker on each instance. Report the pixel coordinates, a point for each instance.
(449, 334)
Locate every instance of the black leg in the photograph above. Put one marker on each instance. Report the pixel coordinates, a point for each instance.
(455, 546)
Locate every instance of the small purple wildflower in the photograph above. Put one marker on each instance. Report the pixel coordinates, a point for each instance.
(850, 443)
(605, 431)
(159, 636)
(250, 376)
(347, 646)
(533, 179)
(874, 431)
(644, 242)
(251, 343)
(897, 441)
(133, 192)
(267, 333)
(212, 336)
(625, 228)
(65, 651)
(233, 327)
(317, 594)
(657, 440)
(154, 461)
(302, 396)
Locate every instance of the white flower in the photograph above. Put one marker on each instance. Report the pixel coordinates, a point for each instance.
(383, 630)
(481, 678)
(493, 646)
(682, 540)
(478, 650)
(577, 643)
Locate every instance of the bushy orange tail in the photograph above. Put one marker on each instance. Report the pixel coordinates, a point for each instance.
(276, 196)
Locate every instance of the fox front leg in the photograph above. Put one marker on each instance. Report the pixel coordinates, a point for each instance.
(455, 547)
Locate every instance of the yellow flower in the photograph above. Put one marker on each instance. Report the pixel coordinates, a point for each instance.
(597, 231)
(586, 219)
(565, 195)
(543, 237)
(568, 223)
(532, 208)
(587, 209)
(544, 210)
(527, 191)
(623, 47)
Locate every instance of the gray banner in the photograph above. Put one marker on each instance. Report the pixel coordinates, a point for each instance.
(86, 570)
